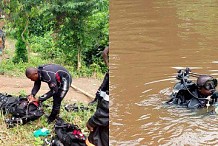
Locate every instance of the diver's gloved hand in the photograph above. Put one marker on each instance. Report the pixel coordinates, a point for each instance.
(214, 96)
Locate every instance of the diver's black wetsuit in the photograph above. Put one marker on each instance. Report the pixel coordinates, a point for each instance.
(59, 81)
(100, 120)
(191, 98)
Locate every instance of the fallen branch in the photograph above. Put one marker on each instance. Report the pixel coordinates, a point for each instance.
(82, 91)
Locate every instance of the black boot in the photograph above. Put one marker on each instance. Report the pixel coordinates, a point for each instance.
(50, 119)
(93, 101)
(53, 116)
(97, 94)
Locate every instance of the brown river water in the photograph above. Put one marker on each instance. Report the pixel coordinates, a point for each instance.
(149, 41)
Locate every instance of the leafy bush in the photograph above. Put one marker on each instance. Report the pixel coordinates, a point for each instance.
(21, 52)
(45, 46)
(8, 67)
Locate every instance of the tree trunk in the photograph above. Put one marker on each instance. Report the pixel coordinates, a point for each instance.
(79, 58)
(26, 42)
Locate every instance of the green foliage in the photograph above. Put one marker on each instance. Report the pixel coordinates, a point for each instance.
(42, 24)
(61, 31)
(80, 28)
(21, 52)
(38, 141)
(45, 46)
(95, 68)
(8, 67)
(84, 71)
(22, 93)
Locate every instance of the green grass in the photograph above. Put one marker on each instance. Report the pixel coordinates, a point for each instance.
(22, 135)
(9, 68)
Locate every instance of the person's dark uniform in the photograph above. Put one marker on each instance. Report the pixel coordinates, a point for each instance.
(100, 120)
(59, 81)
(192, 97)
(2, 40)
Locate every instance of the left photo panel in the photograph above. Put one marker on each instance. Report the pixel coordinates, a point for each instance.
(54, 72)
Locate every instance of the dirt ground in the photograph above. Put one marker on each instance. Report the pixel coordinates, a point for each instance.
(14, 85)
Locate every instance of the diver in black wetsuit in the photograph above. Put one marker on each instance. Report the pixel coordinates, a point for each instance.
(59, 81)
(197, 95)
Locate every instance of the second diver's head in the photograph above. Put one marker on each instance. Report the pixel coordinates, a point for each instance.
(32, 73)
(206, 85)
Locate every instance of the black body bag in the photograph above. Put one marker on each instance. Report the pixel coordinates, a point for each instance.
(68, 134)
(20, 109)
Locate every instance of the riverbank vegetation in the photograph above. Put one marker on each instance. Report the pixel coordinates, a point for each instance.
(70, 33)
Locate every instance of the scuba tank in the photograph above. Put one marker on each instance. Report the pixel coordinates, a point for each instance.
(183, 83)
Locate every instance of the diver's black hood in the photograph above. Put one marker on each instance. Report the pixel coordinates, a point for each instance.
(202, 79)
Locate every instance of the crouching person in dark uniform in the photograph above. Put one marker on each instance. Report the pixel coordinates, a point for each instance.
(197, 95)
(59, 81)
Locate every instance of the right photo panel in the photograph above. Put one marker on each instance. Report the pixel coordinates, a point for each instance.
(163, 71)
